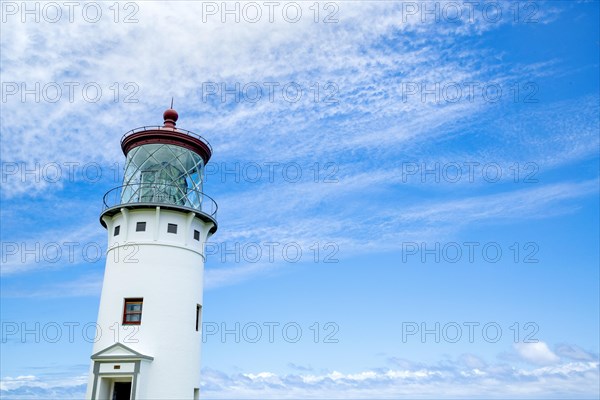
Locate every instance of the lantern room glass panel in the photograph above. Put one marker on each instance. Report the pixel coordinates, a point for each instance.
(163, 173)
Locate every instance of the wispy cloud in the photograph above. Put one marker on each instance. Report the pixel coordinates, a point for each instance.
(366, 55)
(89, 285)
(536, 353)
(35, 387)
(408, 380)
(578, 379)
(54, 249)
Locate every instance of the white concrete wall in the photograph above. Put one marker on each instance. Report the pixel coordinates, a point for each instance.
(166, 270)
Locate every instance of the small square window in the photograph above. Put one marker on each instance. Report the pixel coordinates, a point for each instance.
(196, 235)
(172, 228)
(140, 227)
(117, 230)
(132, 312)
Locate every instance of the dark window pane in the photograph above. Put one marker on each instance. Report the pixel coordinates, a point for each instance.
(196, 235)
(117, 230)
(133, 317)
(140, 227)
(134, 307)
(198, 311)
(172, 228)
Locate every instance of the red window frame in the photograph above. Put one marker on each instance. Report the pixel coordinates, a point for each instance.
(128, 313)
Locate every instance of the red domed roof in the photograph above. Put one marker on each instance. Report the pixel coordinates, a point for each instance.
(167, 134)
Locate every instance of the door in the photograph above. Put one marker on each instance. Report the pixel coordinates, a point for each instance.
(122, 391)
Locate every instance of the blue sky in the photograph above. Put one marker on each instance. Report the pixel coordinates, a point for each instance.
(446, 171)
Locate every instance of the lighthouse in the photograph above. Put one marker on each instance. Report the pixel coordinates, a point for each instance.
(148, 332)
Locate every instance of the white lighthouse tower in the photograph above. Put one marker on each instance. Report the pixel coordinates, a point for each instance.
(148, 331)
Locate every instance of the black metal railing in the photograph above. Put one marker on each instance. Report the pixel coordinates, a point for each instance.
(160, 194)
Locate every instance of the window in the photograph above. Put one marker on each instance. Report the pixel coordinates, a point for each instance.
(198, 313)
(172, 228)
(196, 235)
(132, 312)
(117, 230)
(140, 227)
